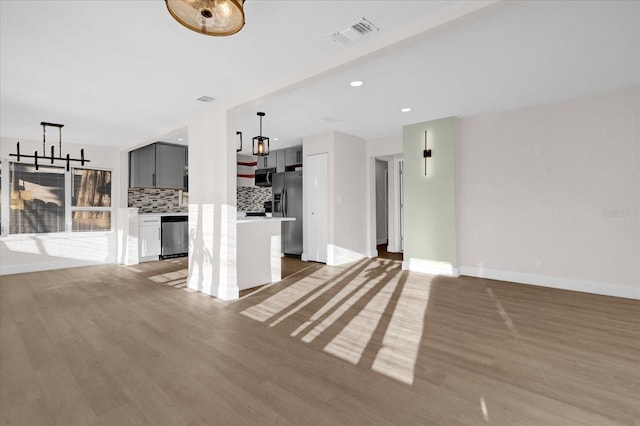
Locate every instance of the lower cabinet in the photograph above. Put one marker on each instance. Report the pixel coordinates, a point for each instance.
(149, 243)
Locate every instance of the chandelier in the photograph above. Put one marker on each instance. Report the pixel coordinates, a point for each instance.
(210, 17)
(51, 158)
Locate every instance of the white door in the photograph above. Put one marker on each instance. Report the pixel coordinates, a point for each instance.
(318, 207)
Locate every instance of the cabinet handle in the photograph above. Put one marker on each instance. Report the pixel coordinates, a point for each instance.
(154, 180)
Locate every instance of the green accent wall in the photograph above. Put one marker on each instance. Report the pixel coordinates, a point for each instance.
(430, 201)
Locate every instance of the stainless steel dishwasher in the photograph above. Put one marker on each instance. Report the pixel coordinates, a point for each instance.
(175, 236)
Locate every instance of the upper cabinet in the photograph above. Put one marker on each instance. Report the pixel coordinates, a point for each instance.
(159, 165)
(275, 160)
(142, 167)
(282, 159)
(293, 156)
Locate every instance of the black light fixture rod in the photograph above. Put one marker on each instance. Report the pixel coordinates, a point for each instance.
(261, 114)
(45, 157)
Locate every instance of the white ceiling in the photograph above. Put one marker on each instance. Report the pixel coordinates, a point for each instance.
(123, 73)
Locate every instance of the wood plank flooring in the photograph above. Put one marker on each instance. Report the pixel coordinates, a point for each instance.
(361, 344)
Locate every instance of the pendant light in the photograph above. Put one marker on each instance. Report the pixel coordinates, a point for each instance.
(210, 17)
(261, 143)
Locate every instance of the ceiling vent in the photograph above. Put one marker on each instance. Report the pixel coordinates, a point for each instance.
(330, 119)
(354, 31)
(206, 99)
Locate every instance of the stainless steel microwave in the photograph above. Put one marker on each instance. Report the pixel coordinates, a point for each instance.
(263, 176)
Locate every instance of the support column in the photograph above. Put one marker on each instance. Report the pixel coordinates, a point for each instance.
(212, 205)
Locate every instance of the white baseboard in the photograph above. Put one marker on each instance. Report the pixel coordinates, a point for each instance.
(337, 255)
(431, 267)
(606, 289)
(47, 266)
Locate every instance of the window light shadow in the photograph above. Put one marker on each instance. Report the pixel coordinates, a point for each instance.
(370, 314)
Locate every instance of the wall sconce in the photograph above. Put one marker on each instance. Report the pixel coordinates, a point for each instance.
(238, 141)
(426, 153)
(261, 143)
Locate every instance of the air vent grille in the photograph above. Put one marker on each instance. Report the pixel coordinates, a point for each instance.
(330, 119)
(206, 99)
(354, 31)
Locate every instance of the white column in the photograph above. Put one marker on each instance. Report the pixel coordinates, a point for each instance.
(212, 204)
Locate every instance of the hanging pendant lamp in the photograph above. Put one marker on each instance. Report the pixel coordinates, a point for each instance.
(210, 17)
(261, 143)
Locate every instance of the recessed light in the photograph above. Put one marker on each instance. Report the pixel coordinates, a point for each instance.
(276, 139)
(405, 109)
(356, 83)
(180, 139)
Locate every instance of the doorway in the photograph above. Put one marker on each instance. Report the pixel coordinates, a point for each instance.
(388, 207)
(382, 202)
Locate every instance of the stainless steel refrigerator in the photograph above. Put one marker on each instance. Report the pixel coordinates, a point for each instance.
(287, 202)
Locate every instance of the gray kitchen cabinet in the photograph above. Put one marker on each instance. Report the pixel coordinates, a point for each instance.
(263, 161)
(280, 163)
(159, 165)
(142, 167)
(275, 160)
(293, 156)
(170, 167)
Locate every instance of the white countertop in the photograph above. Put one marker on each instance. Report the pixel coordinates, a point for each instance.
(164, 214)
(263, 219)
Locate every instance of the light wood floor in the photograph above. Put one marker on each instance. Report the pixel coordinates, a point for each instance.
(363, 344)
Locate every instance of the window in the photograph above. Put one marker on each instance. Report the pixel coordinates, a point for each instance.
(91, 202)
(50, 199)
(36, 199)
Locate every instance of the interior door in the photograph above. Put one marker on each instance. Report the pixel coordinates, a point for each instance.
(318, 208)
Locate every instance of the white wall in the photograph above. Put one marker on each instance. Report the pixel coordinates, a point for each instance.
(550, 195)
(347, 194)
(37, 252)
(246, 170)
(350, 236)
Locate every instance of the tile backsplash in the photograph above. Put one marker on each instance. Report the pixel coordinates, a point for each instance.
(156, 200)
(252, 198)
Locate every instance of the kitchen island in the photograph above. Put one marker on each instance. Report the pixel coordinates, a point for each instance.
(259, 250)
